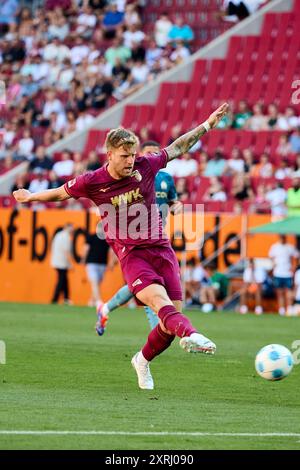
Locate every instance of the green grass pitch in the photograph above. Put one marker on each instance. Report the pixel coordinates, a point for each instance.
(60, 376)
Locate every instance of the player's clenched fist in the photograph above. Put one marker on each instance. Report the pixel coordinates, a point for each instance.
(22, 195)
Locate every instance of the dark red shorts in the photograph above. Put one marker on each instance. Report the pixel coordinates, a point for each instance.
(153, 265)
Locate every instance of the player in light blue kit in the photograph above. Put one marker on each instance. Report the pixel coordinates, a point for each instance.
(166, 199)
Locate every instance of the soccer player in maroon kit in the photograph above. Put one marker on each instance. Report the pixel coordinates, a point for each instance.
(123, 190)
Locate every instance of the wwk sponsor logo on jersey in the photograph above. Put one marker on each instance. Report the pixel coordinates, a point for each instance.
(127, 198)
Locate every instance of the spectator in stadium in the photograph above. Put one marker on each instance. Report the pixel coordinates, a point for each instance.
(253, 278)
(288, 121)
(295, 140)
(180, 53)
(215, 192)
(192, 283)
(54, 180)
(153, 54)
(112, 21)
(180, 32)
(61, 261)
(29, 86)
(40, 183)
(181, 189)
(293, 198)
(117, 49)
(241, 117)
(207, 291)
(297, 166)
(260, 203)
(257, 122)
(203, 160)
(181, 168)
(239, 10)
(6, 163)
(284, 147)
(216, 165)
(84, 120)
(133, 35)
(140, 72)
(92, 161)
(272, 117)
(20, 182)
(241, 188)
(277, 197)
(120, 70)
(235, 164)
(79, 164)
(9, 10)
(263, 169)
(131, 15)
(126, 88)
(24, 148)
(162, 28)
(65, 166)
(40, 160)
(7, 133)
(58, 28)
(282, 255)
(86, 22)
(95, 257)
(52, 104)
(283, 170)
(248, 158)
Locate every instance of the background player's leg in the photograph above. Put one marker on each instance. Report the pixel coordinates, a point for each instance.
(152, 317)
(120, 298)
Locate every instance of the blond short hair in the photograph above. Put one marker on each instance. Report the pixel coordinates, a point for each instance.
(121, 137)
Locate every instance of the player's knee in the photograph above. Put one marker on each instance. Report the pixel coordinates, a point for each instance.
(157, 301)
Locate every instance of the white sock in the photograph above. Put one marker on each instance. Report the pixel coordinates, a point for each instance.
(141, 359)
(105, 309)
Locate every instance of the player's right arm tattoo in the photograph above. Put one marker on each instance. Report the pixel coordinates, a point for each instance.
(185, 142)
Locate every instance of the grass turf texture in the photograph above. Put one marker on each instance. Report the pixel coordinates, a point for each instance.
(60, 376)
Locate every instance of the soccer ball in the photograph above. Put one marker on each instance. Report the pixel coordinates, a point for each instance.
(274, 362)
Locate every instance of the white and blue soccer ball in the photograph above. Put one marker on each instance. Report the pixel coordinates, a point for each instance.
(274, 362)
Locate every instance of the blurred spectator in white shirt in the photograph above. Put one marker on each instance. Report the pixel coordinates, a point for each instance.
(52, 104)
(65, 166)
(161, 30)
(40, 183)
(133, 35)
(235, 163)
(84, 120)
(288, 121)
(277, 199)
(24, 148)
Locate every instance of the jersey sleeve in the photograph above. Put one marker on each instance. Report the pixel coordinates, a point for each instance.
(157, 160)
(172, 194)
(77, 187)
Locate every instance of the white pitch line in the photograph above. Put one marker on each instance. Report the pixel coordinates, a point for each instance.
(151, 433)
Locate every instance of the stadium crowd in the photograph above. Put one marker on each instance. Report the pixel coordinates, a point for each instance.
(65, 63)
